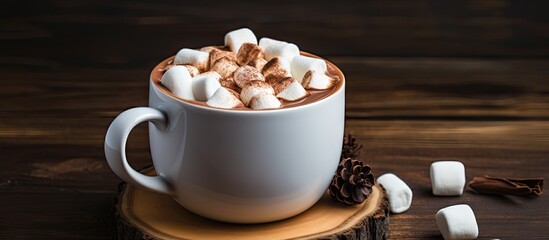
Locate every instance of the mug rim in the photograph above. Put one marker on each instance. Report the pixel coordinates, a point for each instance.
(339, 87)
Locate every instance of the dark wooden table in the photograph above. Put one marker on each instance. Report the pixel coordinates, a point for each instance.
(427, 80)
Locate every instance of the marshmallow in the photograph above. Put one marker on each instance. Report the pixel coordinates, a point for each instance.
(447, 178)
(242, 75)
(282, 84)
(273, 79)
(457, 222)
(302, 64)
(399, 194)
(317, 80)
(264, 101)
(230, 84)
(259, 64)
(178, 80)
(254, 88)
(209, 49)
(278, 68)
(225, 67)
(212, 74)
(289, 89)
(248, 54)
(275, 48)
(192, 70)
(196, 58)
(224, 98)
(235, 39)
(205, 85)
(168, 66)
(216, 54)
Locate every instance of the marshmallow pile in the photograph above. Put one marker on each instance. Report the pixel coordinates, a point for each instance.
(447, 179)
(244, 73)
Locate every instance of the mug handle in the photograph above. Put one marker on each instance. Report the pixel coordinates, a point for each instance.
(115, 148)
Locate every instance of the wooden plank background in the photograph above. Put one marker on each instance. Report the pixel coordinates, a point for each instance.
(427, 80)
(140, 33)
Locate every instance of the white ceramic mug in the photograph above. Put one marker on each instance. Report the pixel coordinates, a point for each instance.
(239, 166)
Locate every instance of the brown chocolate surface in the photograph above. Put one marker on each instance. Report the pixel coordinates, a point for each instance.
(315, 95)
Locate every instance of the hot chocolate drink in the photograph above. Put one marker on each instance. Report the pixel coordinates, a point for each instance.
(265, 113)
(245, 75)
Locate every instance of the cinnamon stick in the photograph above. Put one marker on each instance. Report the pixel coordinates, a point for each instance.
(532, 187)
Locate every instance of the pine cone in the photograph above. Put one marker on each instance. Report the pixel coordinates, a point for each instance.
(352, 183)
(351, 149)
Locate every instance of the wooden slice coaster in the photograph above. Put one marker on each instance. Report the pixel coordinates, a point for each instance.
(141, 214)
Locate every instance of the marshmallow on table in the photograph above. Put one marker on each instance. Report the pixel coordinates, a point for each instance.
(264, 101)
(317, 80)
(244, 74)
(275, 48)
(289, 89)
(178, 80)
(399, 194)
(235, 39)
(300, 65)
(196, 58)
(457, 222)
(254, 88)
(224, 98)
(205, 85)
(248, 54)
(447, 178)
(225, 67)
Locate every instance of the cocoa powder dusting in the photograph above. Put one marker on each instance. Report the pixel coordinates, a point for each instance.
(248, 54)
